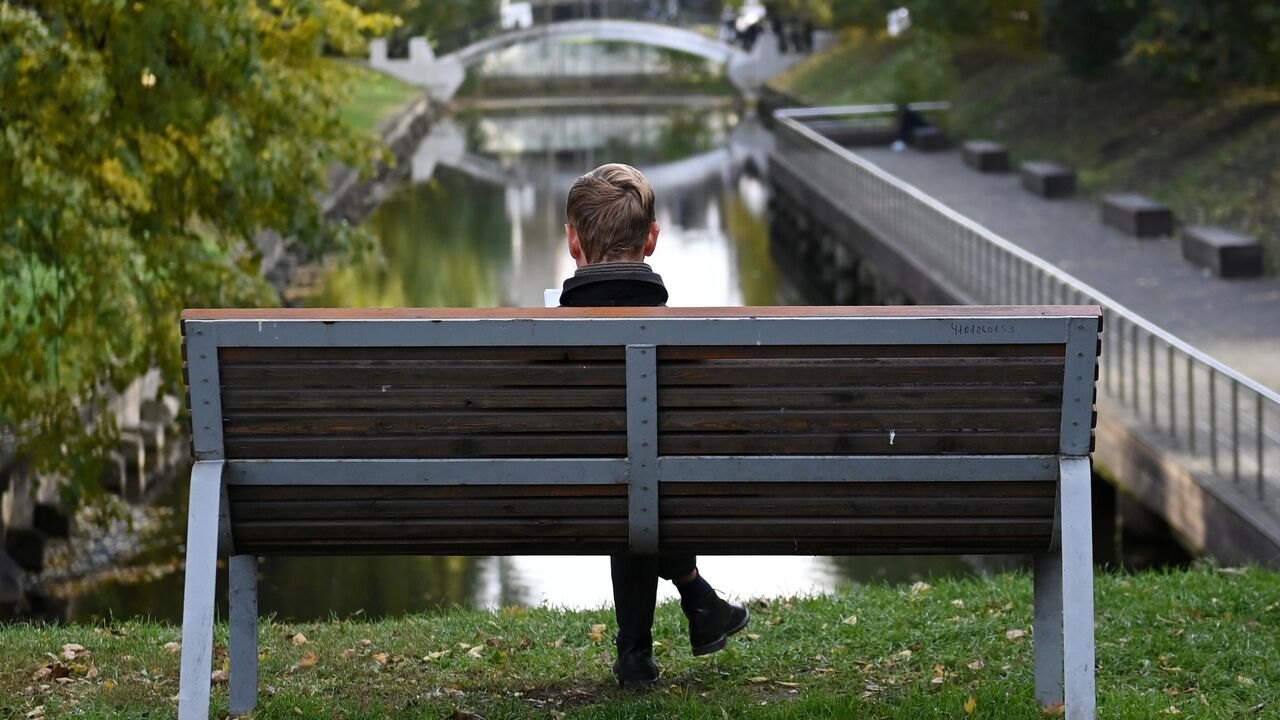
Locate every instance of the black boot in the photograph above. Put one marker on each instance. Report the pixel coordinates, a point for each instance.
(635, 668)
(712, 621)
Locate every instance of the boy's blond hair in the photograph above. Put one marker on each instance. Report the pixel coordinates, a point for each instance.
(612, 209)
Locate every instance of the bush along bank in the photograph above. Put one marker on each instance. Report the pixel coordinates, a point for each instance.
(1201, 643)
(1208, 152)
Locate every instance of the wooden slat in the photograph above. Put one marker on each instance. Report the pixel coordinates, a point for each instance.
(748, 352)
(842, 311)
(706, 528)
(878, 443)
(438, 446)
(425, 373)
(828, 507)
(417, 398)
(921, 419)
(316, 510)
(585, 545)
(375, 529)
(864, 488)
(891, 396)
(240, 355)
(866, 371)
(268, 493)
(400, 423)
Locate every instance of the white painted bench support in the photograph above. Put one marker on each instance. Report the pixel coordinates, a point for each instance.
(1064, 631)
(198, 592)
(242, 589)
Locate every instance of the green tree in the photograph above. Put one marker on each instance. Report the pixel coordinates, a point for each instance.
(143, 145)
(1199, 42)
(1090, 35)
(449, 24)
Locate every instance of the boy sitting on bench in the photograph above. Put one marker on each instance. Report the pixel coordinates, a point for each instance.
(611, 230)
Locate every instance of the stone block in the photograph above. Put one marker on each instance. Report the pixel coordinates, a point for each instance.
(1225, 253)
(929, 139)
(986, 156)
(1137, 215)
(1048, 180)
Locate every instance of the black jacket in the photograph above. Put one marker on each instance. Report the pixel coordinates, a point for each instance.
(614, 284)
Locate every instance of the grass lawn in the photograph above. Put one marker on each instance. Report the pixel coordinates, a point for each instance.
(374, 95)
(1201, 643)
(1213, 156)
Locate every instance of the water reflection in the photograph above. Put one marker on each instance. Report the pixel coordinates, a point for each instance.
(480, 223)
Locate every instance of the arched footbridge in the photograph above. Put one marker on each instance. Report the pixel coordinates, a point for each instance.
(443, 75)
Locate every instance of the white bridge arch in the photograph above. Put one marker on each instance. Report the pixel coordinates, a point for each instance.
(443, 75)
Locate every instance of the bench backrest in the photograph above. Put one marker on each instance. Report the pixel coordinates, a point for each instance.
(761, 430)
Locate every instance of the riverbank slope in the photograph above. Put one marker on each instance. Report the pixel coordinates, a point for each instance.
(1201, 643)
(1212, 155)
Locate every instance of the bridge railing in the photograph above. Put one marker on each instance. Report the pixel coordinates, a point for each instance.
(1224, 426)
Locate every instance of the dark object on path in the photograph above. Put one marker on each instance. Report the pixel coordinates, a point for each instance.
(1048, 180)
(1137, 215)
(25, 547)
(852, 132)
(50, 519)
(1227, 254)
(986, 156)
(929, 139)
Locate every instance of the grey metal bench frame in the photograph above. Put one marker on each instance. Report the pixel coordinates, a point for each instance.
(1064, 605)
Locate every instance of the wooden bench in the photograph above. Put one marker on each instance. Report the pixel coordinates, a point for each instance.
(830, 430)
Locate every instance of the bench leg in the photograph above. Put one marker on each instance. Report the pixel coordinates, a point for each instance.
(1064, 620)
(1047, 634)
(242, 572)
(1077, 588)
(198, 593)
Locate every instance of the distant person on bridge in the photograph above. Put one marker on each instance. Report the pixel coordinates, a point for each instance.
(612, 228)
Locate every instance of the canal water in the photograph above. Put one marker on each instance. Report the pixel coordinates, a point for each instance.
(480, 223)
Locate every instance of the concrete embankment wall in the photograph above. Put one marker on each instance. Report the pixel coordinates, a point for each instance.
(843, 262)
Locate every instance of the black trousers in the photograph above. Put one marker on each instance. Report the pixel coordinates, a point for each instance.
(635, 590)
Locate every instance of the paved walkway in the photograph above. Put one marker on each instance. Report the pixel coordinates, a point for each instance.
(1237, 322)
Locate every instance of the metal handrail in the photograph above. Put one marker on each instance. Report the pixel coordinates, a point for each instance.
(1025, 271)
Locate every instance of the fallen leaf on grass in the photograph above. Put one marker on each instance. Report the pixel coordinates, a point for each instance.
(752, 636)
(218, 677)
(1244, 680)
(851, 620)
(36, 712)
(977, 664)
(71, 651)
(1055, 709)
(597, 632)
(476, 652)
(970, 705)
(1016, 635)
(957, 603)
(758, 679)
(308, 660)
(299, 639)
(380, 658)
(173, 647)
(787, 684)
(436, 655)
(921, 588)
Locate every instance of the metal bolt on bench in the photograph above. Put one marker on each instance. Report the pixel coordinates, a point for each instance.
(794, 430)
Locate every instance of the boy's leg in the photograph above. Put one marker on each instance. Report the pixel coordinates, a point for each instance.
(635, 593)
(711, 619)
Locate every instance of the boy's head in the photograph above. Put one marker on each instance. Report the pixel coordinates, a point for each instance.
(611, 218)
